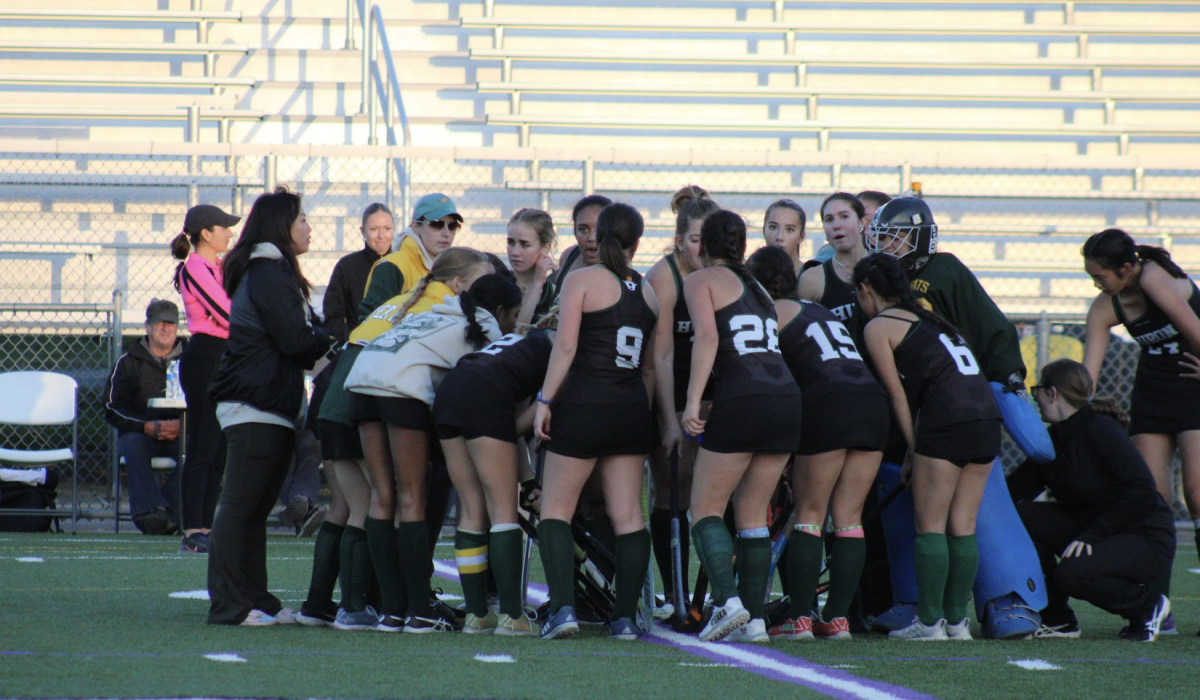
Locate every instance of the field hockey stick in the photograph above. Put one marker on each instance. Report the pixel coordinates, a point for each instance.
(645, 613)
(539, 463)
(676, 543)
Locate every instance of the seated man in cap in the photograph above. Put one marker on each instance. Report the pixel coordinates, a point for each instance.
(144, 433)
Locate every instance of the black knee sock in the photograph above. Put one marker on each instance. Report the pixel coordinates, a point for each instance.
(326, 565)
(557, 548)
(505, 556)
(715, 547)
(753, 564)
(385, 559)
(416, 566)
(471, 556)
(355, 568)
(633, 564)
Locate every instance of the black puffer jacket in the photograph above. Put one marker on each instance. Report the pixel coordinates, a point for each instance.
(138, 376)
(274, 335)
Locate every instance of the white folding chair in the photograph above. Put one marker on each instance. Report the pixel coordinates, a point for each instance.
(41, 399)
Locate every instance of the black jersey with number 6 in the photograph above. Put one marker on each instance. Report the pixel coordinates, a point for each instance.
(513, 364)
(942, 378)
(609, 353)
(1162, 346)
(748, 361)
(822, 356)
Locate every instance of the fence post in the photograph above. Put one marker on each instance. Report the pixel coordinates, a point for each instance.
(270, 163)
(113, 457)
(349, 24)
(389, 182)
(1043, 345)
(589, 177)
(406, 189)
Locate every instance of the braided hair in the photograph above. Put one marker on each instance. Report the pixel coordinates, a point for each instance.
(880, 272)
(723, 238)
(450, 263)
(1112, 248)
(490, 293)
(772, 267)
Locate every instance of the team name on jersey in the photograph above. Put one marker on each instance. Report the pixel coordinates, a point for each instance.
(683, 326)
(843, 312)
(921, 286)
(1166, 332)
(632, 285)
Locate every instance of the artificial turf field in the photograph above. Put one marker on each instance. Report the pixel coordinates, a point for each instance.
(92, 616)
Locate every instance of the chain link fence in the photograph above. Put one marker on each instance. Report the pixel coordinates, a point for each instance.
(77, 226)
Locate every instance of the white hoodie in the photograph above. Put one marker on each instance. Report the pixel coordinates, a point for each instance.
(410, 360)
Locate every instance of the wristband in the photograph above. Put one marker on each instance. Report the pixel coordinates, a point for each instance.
(542, 400)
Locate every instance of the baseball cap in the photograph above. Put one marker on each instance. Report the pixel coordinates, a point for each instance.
(205, 216)
(161, 310)
(434, 206)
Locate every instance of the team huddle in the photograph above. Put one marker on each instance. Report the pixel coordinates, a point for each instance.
(770, 396)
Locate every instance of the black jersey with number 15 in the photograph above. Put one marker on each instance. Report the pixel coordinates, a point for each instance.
(822, 356)
(609, 354)
(748, 361)
(942, 379)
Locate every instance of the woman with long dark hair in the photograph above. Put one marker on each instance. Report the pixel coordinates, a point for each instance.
(945, 410)
(274, 336)
(199, 247)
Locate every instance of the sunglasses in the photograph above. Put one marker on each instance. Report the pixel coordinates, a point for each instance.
(438, 225)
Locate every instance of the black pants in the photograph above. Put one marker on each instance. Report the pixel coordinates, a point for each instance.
(205, 463)
(259, 456)
(1112, 577)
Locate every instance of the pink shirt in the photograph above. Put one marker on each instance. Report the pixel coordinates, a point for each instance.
(204, 298)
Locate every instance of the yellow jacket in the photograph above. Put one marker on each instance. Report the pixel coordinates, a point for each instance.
(384, 318)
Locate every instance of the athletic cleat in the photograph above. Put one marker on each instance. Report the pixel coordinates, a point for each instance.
(921, 632)
(1008, 617)
(837, 628)
(1168, 627)
(664, 611)
(508, 626)
(428, 625)
(724, 620)
(390, 623)
(310, 522)
(311, 617)
(1149, 626)
(894, 618)
(196, 543)
(753, 632)
(797, 629)
(258, 618)
(1066, 630)
(623, 628)
(357, 621)
(960, 630)
(561, 624)
(480, 625)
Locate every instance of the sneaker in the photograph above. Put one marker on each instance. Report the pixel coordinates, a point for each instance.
(960, 630)
(293, 513)
(725, 620)
(286, 616)
(417, 624)
(1065, 630)
(311, 521)
(894, 618)
(1149, 626)
(1168, 627)
(358, 621)
(753, 632)
(1008, 617)
(156, 522)
(520, 626)
(623, 628)
(258, 618)
(390, 623)
(312, 617)
(561, 624)
(837, 628)
(797, 629)
(196, 543)
(481, 625)
(447, 613)
(920, 632)
(664, 611)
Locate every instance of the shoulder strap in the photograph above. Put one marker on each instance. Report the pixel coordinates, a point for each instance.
(1119, 311)
(675, 273)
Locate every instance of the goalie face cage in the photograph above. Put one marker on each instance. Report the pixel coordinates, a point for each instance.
(900, 241)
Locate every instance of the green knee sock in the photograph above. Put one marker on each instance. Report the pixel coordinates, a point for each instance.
(633, 563)
(416, 566)
(960, 579)
(471, 555)
(660, 534)
(355, 568)
(805, 552)
(715, 547)
(326, 563)
(505, 562)
(845, 568)
(753, 565)
(385, 557)
(557, 548)
(933, 564)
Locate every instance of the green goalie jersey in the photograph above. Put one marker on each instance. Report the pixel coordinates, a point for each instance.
(951, 290)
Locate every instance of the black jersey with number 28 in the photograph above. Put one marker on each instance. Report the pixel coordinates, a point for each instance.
(609, 354)
(822, 356)
(941, 378)
(748, 361)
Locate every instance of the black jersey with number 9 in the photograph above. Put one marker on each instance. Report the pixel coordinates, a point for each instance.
(611, 347)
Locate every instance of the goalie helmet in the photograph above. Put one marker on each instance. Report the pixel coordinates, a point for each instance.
(903, 228)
